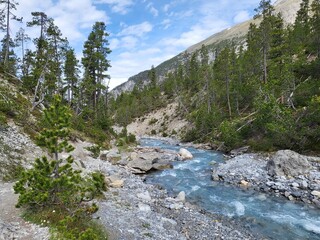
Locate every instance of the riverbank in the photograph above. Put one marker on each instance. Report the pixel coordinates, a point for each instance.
(283, 174)
(133, 209)
(130, 209)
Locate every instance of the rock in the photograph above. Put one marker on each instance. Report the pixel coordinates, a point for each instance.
(144, 207)
(142, 164)
(181, 197)
(176, 206)
(162, 166)
(288, 163)
(185, 154)
(244, 183)
(215, 176)
(114, 181)
(144, 196)
(291, 198)
(287, 194)
(316, 193)
(117, 184)
(295, 185)
(239, 151)
(168, 220)
(304, 184)
(134, 156)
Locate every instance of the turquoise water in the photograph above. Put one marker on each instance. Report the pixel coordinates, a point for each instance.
(275, 218)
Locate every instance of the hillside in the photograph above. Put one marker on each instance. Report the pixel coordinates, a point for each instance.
(287, 8)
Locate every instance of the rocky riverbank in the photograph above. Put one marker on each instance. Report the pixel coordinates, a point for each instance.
(131, 209)
(284, 173)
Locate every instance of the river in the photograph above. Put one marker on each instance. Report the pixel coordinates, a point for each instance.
(272, 217)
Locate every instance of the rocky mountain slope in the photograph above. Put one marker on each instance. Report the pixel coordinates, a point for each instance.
(287, 8)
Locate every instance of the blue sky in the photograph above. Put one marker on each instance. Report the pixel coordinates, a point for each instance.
(142, 32)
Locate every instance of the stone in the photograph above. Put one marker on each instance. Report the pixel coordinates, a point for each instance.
(162, 166)
(117, 184)
(176, 206)
(142, 164)
(134, 156)
(287, 194)
(304, 184)
(114, 181)
(295, 185)
(168, 220)
(144, 196)
(291, 198)
(239, 151)
(316, 193)
(181, 197)
(185, 154)
(288, 163)
(144, 207)
(215, 177)
(244, 183)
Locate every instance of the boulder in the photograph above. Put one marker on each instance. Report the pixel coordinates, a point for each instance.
(141, 164)
(288, 163)
(185, 154)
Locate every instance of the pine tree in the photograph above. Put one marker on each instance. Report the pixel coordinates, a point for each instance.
(54, 182)
(71, 73)
(95, 62)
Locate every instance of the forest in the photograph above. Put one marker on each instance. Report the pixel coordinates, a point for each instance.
(51, 67)
(262, 92)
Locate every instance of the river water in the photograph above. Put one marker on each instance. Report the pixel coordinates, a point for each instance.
(274, 218)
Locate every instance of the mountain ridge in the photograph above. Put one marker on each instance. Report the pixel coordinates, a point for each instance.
(288, 9)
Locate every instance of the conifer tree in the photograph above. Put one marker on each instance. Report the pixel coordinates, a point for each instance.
(95, 62)
(54, 182)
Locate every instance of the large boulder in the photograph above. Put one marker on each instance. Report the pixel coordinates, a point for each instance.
(185, 154)
(288, 163)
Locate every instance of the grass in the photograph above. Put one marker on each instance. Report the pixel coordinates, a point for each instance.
(64, 227)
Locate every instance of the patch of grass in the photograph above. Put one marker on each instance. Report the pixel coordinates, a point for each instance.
(63, 226)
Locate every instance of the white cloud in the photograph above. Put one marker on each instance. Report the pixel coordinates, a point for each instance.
(129, 42)
(74, 18)
(166, 7)
(118, 6)
(136, 30)
(166, 23)
(241, 17)
(152, 9)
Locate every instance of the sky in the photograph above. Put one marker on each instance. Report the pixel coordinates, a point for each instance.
(142, 33)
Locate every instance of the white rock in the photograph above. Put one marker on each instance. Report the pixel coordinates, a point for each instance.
(181, 197)
(144, 196)
(316, 193)
(144, 207)
(163, 219)
(295, 185)
(185, 154)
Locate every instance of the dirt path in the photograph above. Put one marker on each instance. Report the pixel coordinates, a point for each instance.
(12, 226)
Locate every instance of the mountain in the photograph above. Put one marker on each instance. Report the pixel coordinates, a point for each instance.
(237, 33)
